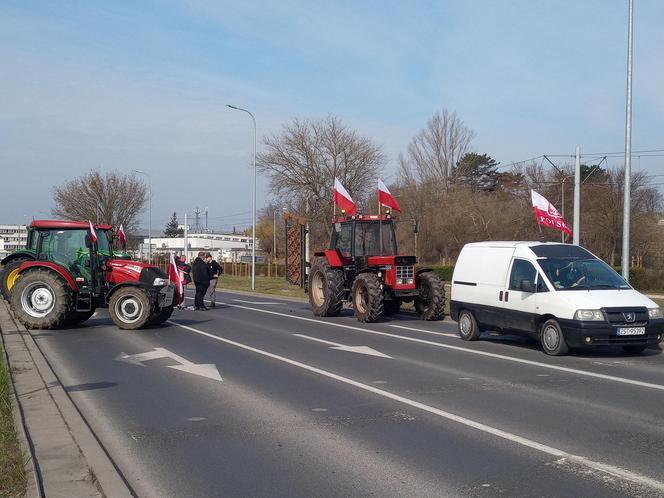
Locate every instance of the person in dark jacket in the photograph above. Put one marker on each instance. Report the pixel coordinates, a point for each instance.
(215, 271)
(201, 274)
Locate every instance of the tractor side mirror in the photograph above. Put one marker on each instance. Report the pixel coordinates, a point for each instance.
(337, 227)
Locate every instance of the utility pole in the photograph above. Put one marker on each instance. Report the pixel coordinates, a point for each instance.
(186, 238)
(206, 220)
(197, 213)
(628, 149)
(577, 197)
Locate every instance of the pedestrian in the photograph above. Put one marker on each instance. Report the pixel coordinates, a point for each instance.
(201, 275)
(185, 274)
(215, 271)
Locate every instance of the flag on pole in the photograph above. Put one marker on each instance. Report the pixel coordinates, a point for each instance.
(385, 198)
(547, 214)
(93, 233)
(343, 199)
(174, 277)
(122, 237)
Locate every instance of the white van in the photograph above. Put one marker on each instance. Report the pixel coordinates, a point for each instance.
(561, 294)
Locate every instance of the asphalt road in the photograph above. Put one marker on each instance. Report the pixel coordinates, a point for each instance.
(267, 402)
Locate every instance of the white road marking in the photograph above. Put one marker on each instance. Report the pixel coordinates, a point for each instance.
(254, 302)
(342, 347)
(611, 378)
(445, 334)
(561, 455)
(208, 370)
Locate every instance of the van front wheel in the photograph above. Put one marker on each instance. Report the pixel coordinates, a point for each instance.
(468, 329)
(551, 336)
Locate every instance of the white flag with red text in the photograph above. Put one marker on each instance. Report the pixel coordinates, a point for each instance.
(122, 237)
(385, 198)
(174, 276)
(547, 215)
(343, 199)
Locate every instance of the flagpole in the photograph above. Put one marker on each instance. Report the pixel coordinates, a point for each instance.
(380, 221)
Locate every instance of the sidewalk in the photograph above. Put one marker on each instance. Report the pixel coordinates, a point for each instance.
(66, 458)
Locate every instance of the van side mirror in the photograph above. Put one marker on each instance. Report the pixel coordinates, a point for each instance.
(528, 286)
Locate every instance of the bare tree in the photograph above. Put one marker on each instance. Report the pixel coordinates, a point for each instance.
(435, 151)
(305, 157)
(113, 198)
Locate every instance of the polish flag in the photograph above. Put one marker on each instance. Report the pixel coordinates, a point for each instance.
(93, 233)
(343, 199)
(385, 198)
(174, 277)
(122, 237)
(547, 214)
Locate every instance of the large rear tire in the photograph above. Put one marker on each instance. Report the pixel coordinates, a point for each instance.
(430, 303)
(367, 297)
(9, 275)
(326, 289)
(40, 299)
(130, 308)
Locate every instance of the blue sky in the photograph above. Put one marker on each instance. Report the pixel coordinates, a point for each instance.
(142, 85)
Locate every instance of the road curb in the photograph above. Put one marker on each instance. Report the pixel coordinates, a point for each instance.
(68, 459)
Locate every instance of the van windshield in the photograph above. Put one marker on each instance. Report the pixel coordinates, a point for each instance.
(581, 274)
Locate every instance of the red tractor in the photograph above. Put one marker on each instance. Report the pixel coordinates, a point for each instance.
(362, 266)
(63, 275)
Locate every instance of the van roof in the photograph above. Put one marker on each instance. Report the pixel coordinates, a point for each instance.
(511, 243)
(539, 249)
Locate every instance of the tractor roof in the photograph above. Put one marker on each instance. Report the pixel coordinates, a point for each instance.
(66, 224)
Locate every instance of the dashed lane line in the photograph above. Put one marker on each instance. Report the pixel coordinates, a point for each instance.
(574, 371)
(561, 455)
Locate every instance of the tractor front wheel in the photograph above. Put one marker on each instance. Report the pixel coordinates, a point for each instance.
(326, 289)
(430, 303)
(367, 297)
(40, 299)
(130, 308)
(9, 275)
(162, 315)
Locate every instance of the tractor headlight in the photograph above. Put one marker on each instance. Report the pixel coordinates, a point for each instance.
(399, 281)
(589, 315)
(159, 282)
(409, 281)
(654, 313)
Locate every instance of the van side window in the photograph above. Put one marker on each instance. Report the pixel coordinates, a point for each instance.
(521, 270)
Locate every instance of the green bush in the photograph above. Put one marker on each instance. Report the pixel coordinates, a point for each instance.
(443, 271)
(645, 279)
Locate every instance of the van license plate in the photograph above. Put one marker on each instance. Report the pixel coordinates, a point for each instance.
(631, 331)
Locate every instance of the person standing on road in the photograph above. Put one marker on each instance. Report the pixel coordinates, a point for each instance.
(201, 274)
(185, 274)
(215, 271)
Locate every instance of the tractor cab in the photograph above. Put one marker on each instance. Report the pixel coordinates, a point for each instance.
(362, 236)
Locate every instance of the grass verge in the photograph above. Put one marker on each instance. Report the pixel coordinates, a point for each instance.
(12, 470)
(275, 286)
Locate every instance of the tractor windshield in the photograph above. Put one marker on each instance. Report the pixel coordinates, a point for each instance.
(67, 248)
(103, 244)
(368, 239)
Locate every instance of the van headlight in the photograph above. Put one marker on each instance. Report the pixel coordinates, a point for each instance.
(589, 315)
(158, 282)
(655, 312)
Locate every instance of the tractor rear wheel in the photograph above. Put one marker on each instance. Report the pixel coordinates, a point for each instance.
(40, 299)
(8, 276)
(162, 315)
(130, 308)
(430, 303)
(367, 297)
(326, 289)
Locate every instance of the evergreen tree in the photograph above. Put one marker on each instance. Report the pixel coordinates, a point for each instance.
(478, 172)
(172, 229)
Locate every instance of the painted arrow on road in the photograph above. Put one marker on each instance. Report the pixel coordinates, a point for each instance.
(208, 370)
(342, 347)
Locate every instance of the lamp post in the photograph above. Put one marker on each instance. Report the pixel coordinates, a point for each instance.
(253, 215)
(149, 211)
(628, 147)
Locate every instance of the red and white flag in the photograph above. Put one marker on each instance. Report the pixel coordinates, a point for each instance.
(122, 237)
(343, 199)
(174, 277)
(93, 233)
(385, 198)
(547, 214)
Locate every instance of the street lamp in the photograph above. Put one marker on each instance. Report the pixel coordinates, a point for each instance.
(149, 212)
(253, 216)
